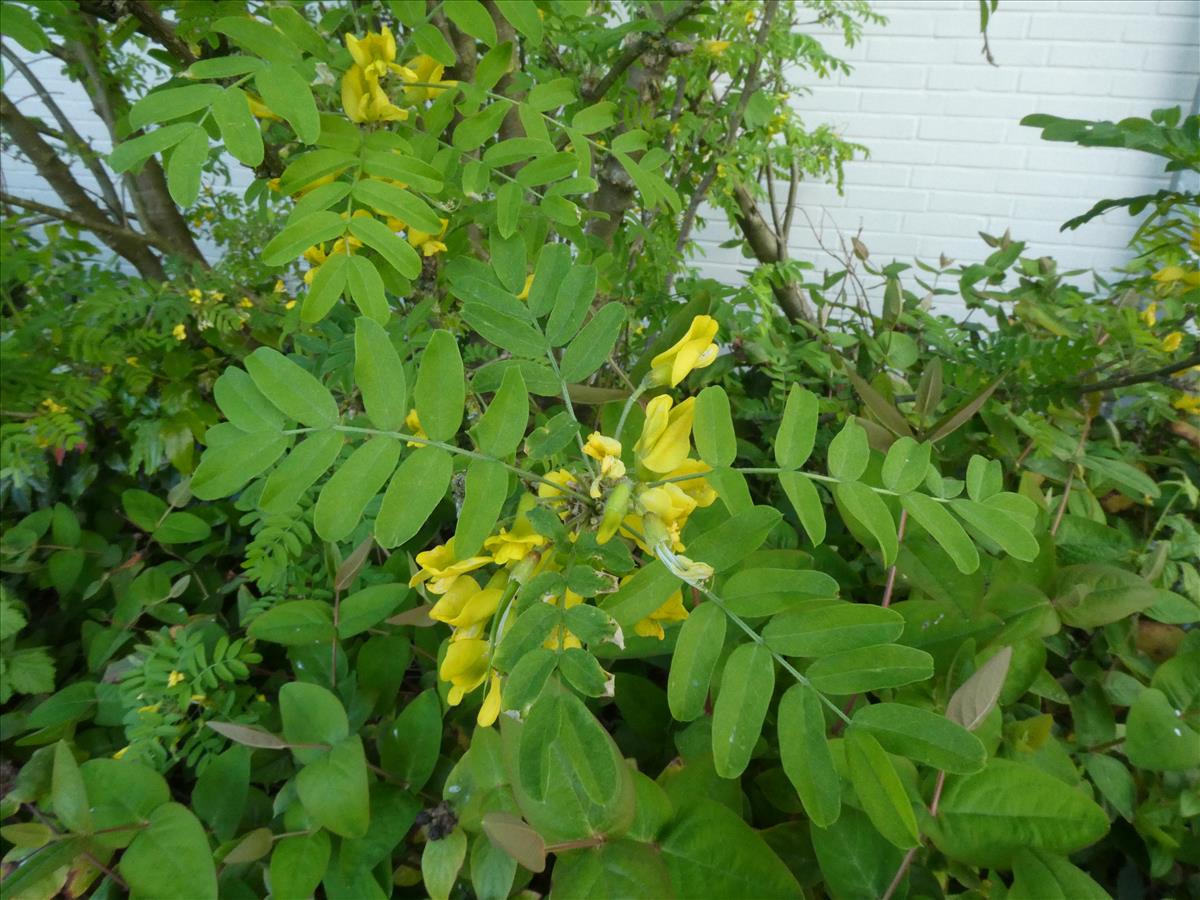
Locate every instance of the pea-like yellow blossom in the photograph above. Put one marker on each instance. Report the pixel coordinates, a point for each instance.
(179, 332)
(1171, 342)
(666, 434)
(440, 568)
(695, 350)
(671, 611)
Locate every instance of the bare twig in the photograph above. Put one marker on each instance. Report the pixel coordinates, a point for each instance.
(635, 48)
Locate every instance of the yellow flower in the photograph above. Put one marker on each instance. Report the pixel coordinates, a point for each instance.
(513, 546)
(608, 451)
(694, 350)
(428, 70)
(259, 110)
(216, 296)
(179, 332)
(666, 434)
(664, 509)
(246, 303)
(671, 611)
(1171, 342)
(131, 361)
(697, 488)
(153, 708)
(376, 53)
(195, 295)
(289, 304)
(559, 477)
(121, 753)
(174, 678)
(466, 604)
(1149, 315)
(428, 244)
(413, 423)
(279, 288)
(715, 48)
(490, 710)
(561, 638)
(441, 568)
(524, 295)
(1167, 274)
(1188, 403)
(53, 406)
(465, 666)
(365, 100)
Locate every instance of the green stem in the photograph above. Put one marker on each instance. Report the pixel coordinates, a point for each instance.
(630, 400)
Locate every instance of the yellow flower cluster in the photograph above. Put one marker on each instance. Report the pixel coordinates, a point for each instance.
(363, 96)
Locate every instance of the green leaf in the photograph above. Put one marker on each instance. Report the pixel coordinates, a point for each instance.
(172, 103)
(315, 165)
(298, 864)
(869, 509)
(406, 169)
(311, 715)
(879, 789)
(805, 754)
(713, 430)
(589, 349)
(430, 41)
(594, 118)
(1156, 736)
(922, 736)
(226, 469)
(999, 526)
(551, 437)
(1131, 481)
(943, 528)
(410, 746)
(441, 388)
(870, 669)
(806, 502)
(130, 153)
(379, 374)
(574, 299)
(327, 286)
(239, 128)
(121, 792)
(615, 868)
(395, 201)
(288, 94)
(73, 703)
(734, 539)
(697, 649)
(765, 592)
(509, 329)
(366, 289)
(68, 792)
(414, 492)
(243, 404)
(546, 169)
(340, 506)
(313, 229)
(509, 199)
(985, 819)
(977, 696)
(1043, 876)
(849, 452)
(856, 861)
(258, 37)
(747, 683)
(502, 426)
(486, 491)
(472, 17)
(442, 859)
(294, 622)
(397, 252)
(832, 629)
(185, 166)
(553, 263)
(528, 678)
(171, 851)
(182, 528)
(307, 462)
(20, 25)
(472, 131)
(219, 795)
(710, 852)
(523, 17)
(366, 608)
(905, 465)
(334, 789)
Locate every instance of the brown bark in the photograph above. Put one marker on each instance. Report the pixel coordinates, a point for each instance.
(56, 173)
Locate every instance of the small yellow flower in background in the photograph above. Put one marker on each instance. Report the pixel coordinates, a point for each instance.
(289, 304)
(608, 451)
(695, 350)
(153, 708)
(179, 332)
(561, 638)
(671, 611)
(53, 406)
(666, 435)
(750, 16)
(715, 48)
(174, 678)
(524, 295)
(259, 110)
(131, 361)
(1167, 274)
(427, 71)
(513, 546)
(1149, 315)
(1188, 403)
(216, 296)
(195, 295)
(441, 568)
(428, 244)
(1171, 342)
(280, 287)
(465, 666)
(120, 753)
(246, 303)
(412, 422)
(199, 699)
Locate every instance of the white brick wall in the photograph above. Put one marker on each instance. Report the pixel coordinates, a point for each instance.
(948, 157)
